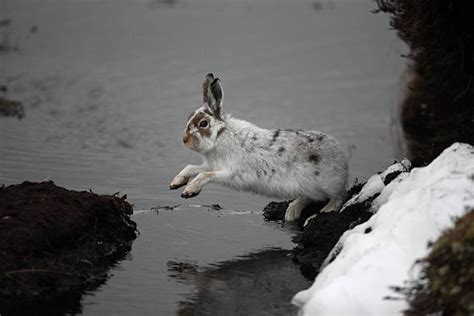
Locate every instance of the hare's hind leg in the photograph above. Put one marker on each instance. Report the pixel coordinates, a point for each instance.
(334, 204)
(295, 208)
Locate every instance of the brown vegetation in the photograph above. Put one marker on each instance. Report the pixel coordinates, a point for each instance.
(447, 283)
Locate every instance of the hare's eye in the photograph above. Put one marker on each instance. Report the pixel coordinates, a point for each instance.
(203, 124)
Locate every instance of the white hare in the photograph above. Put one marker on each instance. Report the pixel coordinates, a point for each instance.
(280, 163)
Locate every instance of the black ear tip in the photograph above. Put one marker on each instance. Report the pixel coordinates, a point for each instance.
(210, 75)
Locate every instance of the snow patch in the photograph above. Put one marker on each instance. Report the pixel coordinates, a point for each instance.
(413, 210)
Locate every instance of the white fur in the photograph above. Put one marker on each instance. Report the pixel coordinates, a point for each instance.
(284, 164)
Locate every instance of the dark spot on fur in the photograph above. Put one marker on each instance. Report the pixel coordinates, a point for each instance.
(321, 137)
(281, 150)
(310, 139)
(254, 138)
(264, 172)
(368, 230)
(316, 173)
(314, 159)
(275, 135)
(273, 170)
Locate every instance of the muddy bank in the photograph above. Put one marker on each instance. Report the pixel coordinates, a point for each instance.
(319, 237)
(57, 243)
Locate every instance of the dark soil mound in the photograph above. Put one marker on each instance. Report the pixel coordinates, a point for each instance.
(56, 243)
(322, 234)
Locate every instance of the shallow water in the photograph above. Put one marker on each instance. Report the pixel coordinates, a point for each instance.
(107, 87)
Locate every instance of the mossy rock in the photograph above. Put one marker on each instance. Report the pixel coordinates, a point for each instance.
(447, 283)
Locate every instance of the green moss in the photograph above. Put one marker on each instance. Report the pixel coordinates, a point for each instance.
(447, 283)
(11, 108)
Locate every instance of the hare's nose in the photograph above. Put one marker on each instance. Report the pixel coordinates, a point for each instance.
(185, 138)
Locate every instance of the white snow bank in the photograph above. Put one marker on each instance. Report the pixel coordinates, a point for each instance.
(416, 209)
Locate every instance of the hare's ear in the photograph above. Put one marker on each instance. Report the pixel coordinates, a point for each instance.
(206, 89)
(217, 97)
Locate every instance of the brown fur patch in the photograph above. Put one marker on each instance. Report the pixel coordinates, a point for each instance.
(275, 136)
(206, 131)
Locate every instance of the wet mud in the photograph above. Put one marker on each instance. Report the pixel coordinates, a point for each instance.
(57, 243)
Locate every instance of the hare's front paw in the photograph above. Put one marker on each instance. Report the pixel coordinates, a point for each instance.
(190, 191)
(178, 182)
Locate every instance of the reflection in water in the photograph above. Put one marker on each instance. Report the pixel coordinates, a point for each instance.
(319, 5)
(69, 303)
(256, 284)
(155, 4)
